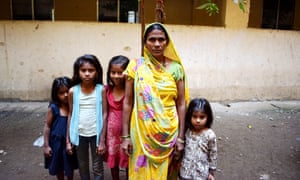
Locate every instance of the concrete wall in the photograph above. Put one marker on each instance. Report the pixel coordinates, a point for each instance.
(221, 63)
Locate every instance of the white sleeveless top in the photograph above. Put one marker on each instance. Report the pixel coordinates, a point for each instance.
(87, 114)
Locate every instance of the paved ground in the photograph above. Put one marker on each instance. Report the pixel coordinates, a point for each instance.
(256, 140)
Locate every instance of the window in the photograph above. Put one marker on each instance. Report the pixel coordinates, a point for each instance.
(116, 10)
(32, 9)
(278, 14)
(43, 9)
(22, 9)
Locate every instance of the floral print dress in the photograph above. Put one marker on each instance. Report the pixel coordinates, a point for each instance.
(200, 156)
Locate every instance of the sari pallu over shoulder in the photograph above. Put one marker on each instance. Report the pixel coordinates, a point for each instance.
(156, 124)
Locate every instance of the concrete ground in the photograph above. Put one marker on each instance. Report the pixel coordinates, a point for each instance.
(256, 140)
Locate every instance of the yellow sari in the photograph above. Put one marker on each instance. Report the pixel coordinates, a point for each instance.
(154, 120)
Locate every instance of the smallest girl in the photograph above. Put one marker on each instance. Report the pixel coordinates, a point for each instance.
(56, 158)
(200, 153)
(116, 158)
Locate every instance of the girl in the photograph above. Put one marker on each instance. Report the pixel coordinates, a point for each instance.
(200, 153)
(87, 116)
(115, 96)
(56, 158)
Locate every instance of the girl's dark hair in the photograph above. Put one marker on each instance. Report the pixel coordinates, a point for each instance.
(91, 59)
(198, 104)
(123, 60)
(58, 83)
(155, 26)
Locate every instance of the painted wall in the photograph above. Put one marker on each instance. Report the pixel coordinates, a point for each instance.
(76, 10)
(235, 17)
(185, 13)
(297, 14)
(256, 13)
(5, 11)
(221, 63)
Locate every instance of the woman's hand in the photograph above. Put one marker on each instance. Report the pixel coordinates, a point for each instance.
(127, 146)
(47, 151)
(69, 148)
(100, 150)
(179, 147)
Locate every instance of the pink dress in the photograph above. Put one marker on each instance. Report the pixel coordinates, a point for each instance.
(115, 156)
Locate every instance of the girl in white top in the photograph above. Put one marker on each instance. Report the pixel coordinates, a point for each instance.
(87, 116)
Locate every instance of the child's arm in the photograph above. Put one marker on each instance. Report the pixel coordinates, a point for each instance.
(47, 128)
(101, 147)
(211, 176)
(212, 150)
(70, 102)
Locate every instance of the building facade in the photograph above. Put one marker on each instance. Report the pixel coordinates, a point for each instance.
(233, 55)
(274, 14)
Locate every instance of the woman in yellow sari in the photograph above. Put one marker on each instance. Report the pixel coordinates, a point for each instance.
(154, 107)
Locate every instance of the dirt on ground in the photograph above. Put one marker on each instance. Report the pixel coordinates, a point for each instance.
(256, 140)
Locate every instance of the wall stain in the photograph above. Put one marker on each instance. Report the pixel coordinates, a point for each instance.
(5, 50)
(127, 48)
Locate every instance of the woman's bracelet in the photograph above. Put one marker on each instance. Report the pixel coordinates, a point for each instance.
(125, 136)
(180, 140)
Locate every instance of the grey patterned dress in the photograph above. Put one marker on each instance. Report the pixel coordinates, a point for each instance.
(200, 155)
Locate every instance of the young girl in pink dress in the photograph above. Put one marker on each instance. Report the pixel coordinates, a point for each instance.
(115, 95)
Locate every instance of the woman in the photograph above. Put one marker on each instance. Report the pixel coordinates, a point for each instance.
(154, 107)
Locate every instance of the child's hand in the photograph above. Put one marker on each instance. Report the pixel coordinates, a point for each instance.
(69, 148)
(179, 146)
(178, 150)
(101, 148)
(127, 146)
(47, 151)
(211, 177)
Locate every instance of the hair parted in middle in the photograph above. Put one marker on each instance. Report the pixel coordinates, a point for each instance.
(155, 26)
(91, 59)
